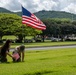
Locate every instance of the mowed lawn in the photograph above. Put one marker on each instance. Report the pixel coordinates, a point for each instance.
(47, 62)
(40, 44)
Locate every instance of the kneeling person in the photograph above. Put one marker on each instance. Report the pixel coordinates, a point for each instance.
(18, 54)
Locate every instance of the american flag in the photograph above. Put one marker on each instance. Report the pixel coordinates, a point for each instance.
(31, 20)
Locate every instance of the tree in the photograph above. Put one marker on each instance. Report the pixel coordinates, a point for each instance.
(59, 27)
(24, 31)
(10, 24)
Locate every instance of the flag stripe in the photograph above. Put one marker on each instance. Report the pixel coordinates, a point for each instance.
(31, 20)
(38, 24)
(33, 23)
(34, 26)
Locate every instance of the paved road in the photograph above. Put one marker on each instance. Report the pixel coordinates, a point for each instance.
(52, 47)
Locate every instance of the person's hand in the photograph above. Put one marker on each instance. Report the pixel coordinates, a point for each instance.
(13, 57)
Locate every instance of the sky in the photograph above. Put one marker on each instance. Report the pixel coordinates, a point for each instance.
(38, 5)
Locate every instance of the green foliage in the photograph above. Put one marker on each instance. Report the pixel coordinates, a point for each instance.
(10, 24)
(57, 23)
(59, 27)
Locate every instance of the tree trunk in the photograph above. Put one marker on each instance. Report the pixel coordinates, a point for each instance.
(43, 38)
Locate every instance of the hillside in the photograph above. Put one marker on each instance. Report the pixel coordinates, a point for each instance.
(3, 10)
(55, 14)
(45, 14)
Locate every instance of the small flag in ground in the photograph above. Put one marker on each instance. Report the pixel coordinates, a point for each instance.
(31, 20)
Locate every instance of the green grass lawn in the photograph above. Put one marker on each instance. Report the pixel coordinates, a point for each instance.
(40, 44)
(47, 62)
(9, 37)
(49, 43)
(14, 37)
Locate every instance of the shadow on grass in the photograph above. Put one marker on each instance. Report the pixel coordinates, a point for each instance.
(11, 62)
(44, 58)
(71, 55)
(40, 73)
(34, 51)
(48, 58)
(5, 62)
(74, 66)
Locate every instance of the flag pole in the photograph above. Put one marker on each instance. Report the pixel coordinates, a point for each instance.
(22, 28)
